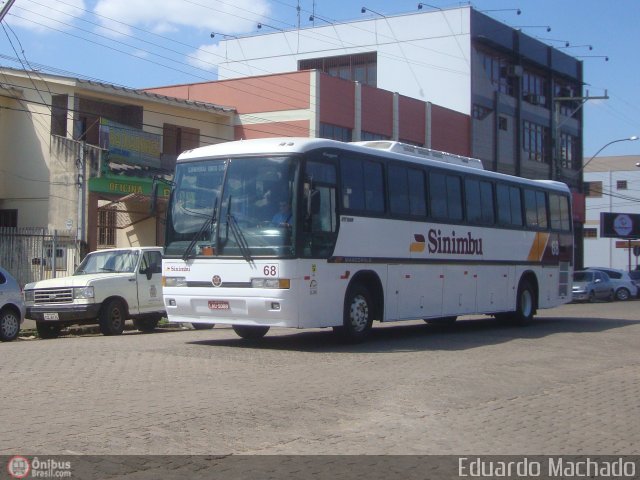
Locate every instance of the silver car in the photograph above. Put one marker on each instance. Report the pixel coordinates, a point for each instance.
(625, 287)
(592, 285)
(11, 307)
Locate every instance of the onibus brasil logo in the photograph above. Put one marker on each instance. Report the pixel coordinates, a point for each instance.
(20, 467)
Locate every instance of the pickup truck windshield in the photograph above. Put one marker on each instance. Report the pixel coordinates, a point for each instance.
(234, 207)
(114, 261)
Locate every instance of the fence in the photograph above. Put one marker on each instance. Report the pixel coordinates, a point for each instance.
(32, 254)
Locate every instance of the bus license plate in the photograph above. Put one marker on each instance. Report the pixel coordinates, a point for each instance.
(218, 305)
(51, 316)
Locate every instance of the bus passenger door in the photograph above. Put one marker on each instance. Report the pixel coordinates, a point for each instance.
(323, 283)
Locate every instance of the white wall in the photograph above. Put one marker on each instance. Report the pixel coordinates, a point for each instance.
(422, 55)
(602, 252)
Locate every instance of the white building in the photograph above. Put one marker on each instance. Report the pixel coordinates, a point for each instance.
(612, 184)
(458, 58)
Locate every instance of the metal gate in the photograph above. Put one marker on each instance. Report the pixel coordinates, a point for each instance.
(32, 254)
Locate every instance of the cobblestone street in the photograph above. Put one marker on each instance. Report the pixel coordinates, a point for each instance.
(567, 384)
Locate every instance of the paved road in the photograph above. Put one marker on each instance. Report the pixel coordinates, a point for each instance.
(568, 384)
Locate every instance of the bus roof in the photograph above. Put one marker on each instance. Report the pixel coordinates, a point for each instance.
(385, 149)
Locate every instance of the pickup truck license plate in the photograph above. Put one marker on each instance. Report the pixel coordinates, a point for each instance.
(218, 305)
(51, 316)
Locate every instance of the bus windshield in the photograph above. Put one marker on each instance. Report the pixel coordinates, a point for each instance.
(232, 207)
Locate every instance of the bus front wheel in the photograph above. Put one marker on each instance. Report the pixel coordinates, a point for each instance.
(357, 317)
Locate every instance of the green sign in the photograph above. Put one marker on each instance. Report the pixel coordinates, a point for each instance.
(129, 145)
(126, 186)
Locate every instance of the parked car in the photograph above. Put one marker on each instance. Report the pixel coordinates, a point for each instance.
(625, 287)
(108, 287)
(591, 285)
(12, 308)
(635, 276)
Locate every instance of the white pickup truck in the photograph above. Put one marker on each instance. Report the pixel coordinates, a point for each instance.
(107, 288)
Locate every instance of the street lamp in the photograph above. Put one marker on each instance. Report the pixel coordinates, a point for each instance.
(629, 139)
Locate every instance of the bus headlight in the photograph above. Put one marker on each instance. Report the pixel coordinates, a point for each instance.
(83, 292)
(174, 282)
(281, 283)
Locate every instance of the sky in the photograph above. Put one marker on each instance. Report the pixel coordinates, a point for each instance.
(142, 43)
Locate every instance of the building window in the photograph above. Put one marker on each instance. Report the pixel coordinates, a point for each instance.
(107, 218)
(498, 70)
(568, 151)
(534, 141)
(592, 189)
(621, 184)
(8, 218)
(59, 115)
(361, 67)
(503, 123)
(369, 136)
(590, 233)
(534, 88)
(335, 132)
(479, 112)
(176, 139)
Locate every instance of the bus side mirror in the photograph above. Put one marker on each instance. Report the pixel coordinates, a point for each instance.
(154, 197)
(313, 203)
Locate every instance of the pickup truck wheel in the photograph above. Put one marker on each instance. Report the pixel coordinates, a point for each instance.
(112, 317)
(202, 326)
(146, 324)
(48, 330)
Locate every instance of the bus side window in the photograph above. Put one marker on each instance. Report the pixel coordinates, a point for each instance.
(559, 212)
(362, 185)
(445, 196)
(407, 191)
(509, 205)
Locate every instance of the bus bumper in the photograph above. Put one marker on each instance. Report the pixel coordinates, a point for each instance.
(265, 310)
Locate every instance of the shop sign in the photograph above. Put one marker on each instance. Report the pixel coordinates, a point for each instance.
(130, 145)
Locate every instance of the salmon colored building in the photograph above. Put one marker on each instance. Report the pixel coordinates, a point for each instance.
(311, 103)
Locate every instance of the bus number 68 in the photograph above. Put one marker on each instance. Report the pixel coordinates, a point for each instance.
(270, 270)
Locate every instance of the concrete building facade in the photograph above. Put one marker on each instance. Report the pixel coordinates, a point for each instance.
(612, 185)
(79, 156)
(521, 94)
(311, 103)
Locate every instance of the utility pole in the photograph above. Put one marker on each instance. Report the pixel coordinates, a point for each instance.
(6, 8)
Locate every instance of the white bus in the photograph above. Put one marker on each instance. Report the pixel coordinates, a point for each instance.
(309, 233)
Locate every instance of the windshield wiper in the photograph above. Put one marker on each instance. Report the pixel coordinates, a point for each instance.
(238, 236)
(207, 223)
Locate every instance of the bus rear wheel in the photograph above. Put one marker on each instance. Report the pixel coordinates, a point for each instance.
(357, 316)
(525, 305)
(250, 332)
